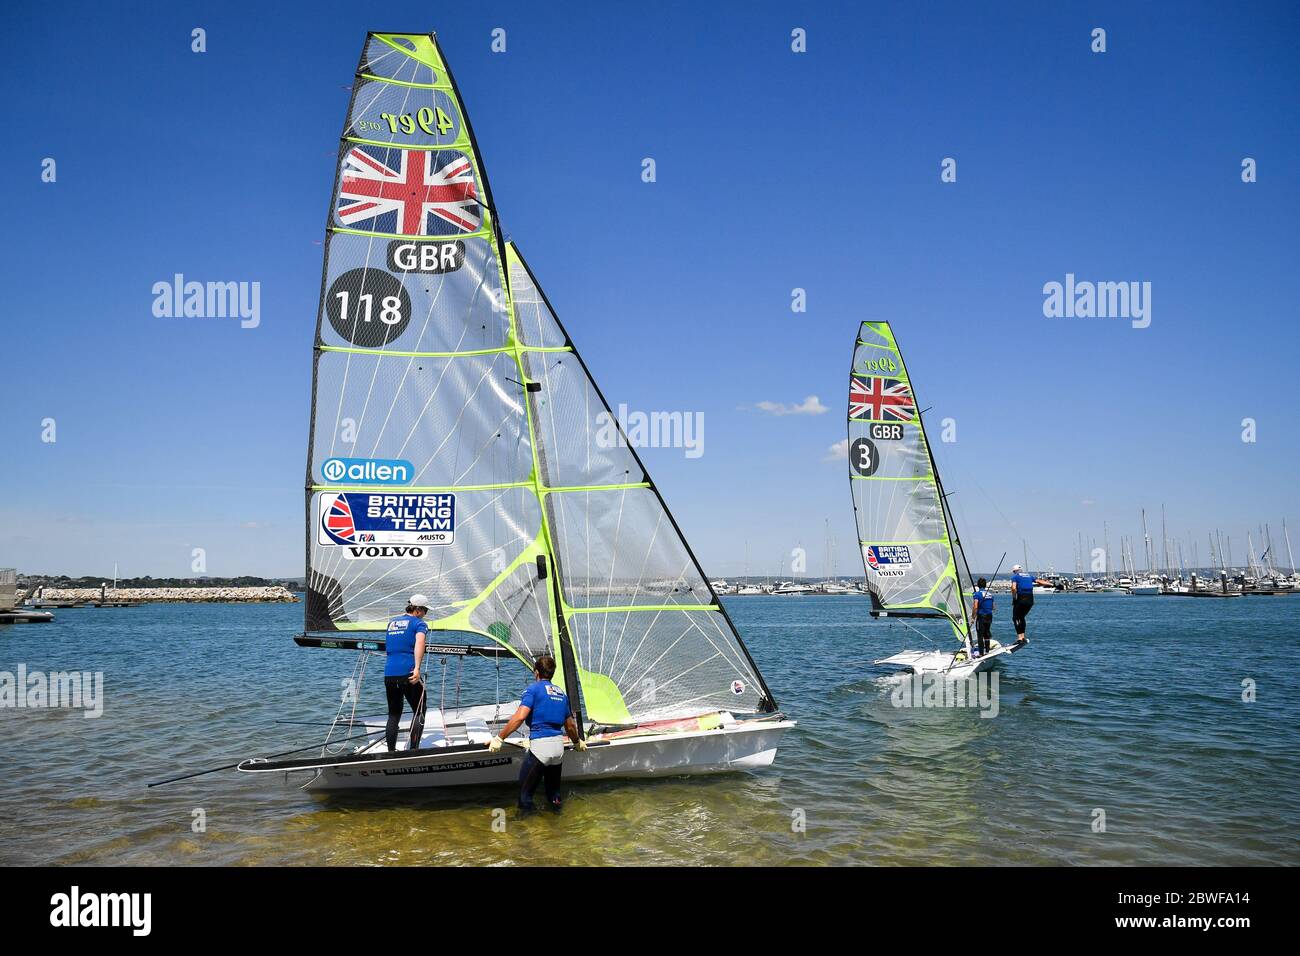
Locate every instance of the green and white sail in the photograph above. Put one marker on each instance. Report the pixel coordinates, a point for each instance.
(461, 449)
(910, 551)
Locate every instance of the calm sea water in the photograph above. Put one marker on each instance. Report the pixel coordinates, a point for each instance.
(1128, 705)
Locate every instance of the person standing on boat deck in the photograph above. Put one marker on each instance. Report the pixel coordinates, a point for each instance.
(981, 611)
(546, 710)
(1022, 600)
(405, 646)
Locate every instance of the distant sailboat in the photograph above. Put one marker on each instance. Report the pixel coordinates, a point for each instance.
(912, 557)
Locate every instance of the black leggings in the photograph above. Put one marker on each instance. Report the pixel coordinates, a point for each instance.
(983, 632)
(534, 772)
(396, 688)
(1019, 610)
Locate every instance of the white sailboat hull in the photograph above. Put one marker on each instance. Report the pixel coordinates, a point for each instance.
(737, 745)
(945, 662)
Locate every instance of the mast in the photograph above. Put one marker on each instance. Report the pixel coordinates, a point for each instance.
(1289, 556)
(1164, 537)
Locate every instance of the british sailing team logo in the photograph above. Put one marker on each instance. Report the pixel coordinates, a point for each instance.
(386, 525)
(889, 560)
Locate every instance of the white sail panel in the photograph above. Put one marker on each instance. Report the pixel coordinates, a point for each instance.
(627, 577)
(451, 421)
(406, 58)
(420, 475)
(662, 664)
(619, 548)
(582, 442)
(535, 324)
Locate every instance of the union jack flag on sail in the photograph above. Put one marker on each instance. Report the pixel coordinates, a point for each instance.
(881, 400)
(408, 192)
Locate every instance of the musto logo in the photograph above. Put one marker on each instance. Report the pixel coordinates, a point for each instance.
(367, 471)
(386, 525)
(889, 560)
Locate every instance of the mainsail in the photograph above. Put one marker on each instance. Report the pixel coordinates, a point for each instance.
(459, 446)
(913, 559)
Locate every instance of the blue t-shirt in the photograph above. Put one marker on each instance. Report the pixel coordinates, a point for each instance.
(402, 632)
(548, 709)
(1024, 584)
(983, 603)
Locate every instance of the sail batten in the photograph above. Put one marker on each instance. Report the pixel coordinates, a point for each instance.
(912, 558)
(460, 447)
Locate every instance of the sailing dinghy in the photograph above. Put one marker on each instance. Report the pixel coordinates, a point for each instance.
(914, 563)
(460, 448)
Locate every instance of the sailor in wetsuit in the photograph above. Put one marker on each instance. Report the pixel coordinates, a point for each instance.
(1022, 599)
(982, 611)
(404, 644)
(545, 707)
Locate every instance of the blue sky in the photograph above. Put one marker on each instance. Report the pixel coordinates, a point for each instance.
(775, 170)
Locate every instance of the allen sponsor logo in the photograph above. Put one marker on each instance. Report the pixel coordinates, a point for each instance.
(77, 909)
(369, 471)
(433, 258)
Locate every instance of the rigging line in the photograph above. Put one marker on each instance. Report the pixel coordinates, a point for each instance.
(364, 566)
(428, 316)
(692, 623)
(645, 560)
(925, 637)
(498, 431)
(661, 685)
(650, 629)
(454, 427)
(664, 652)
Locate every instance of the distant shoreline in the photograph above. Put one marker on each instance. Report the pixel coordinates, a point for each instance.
(192, 595)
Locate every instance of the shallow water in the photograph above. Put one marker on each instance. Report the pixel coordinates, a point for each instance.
(1132, 706)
